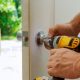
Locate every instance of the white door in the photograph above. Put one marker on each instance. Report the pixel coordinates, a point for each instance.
(44, 14)
(65, 10)
(41, 18)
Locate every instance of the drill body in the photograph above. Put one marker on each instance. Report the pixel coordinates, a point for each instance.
(72, 43)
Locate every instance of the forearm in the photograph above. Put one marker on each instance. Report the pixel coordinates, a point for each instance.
(75, 22)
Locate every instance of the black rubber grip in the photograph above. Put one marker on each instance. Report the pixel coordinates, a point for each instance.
(57, 78)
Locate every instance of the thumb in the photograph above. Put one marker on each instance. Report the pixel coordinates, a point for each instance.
(52, 32)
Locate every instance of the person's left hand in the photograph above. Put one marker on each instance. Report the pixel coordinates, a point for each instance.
(62, 63)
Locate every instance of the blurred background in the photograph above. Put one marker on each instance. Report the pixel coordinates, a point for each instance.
(10, 18)
(11, 42)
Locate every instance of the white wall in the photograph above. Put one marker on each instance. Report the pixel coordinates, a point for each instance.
(65, 10)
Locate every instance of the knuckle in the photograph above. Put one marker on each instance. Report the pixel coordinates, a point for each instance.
(50, 72)
(51, 51)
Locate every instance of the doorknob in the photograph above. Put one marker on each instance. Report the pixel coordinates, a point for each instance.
(41, 39)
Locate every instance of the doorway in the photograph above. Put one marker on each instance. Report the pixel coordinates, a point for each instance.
(11, 40)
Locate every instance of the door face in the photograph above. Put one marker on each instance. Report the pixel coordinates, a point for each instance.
(41, 18)
(65, 10)
(43, 14)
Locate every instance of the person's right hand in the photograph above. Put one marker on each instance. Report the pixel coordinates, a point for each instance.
(61, 29)
(64, 63)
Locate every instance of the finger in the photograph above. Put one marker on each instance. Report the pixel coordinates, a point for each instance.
(50, 71)
(54, 31)
(49, 65)
(53, 51)
(51, 58)
(55, 73)
(51, 32)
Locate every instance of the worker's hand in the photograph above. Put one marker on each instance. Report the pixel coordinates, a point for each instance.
(61, 29)
(64, 63)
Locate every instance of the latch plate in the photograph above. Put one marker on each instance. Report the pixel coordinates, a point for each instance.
(25, 38)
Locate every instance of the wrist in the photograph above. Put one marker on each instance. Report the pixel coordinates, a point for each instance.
(76, 24)
(75, 29)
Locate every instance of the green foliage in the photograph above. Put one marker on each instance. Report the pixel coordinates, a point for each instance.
(10, 17)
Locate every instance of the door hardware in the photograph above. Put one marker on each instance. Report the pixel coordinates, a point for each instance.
(25, 38)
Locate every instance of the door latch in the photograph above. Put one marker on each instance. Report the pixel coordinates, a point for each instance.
(25, 38)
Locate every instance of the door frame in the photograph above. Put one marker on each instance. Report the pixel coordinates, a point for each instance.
(25, 49)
